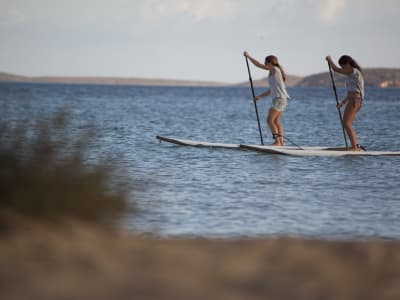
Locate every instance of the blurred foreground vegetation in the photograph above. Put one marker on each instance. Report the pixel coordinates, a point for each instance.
(43, 174)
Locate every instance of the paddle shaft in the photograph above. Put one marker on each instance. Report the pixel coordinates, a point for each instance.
(337, 103)
(254, 100)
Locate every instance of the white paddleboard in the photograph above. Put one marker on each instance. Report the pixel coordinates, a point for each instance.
(316, 152)
(192, 143)
(285, 150)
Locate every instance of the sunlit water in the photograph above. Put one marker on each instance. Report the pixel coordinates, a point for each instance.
(233, 193)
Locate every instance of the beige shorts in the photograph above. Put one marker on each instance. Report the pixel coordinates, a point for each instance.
(354, 99)
(279, 104)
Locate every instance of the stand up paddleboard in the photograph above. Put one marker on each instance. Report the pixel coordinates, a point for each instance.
(335, 152)
(285, 150)
(182, 142)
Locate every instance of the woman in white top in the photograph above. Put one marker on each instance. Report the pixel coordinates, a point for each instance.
(277, 90)
(355, 94)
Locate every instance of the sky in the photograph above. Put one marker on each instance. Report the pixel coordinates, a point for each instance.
(193, 39)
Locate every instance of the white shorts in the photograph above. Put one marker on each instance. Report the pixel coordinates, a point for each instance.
(279, 104)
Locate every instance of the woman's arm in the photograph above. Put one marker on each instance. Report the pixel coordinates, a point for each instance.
(254, 61)
(336, 68)
(265, 94)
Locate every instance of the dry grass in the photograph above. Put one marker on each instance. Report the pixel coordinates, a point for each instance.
(79, 262)
(43, 175)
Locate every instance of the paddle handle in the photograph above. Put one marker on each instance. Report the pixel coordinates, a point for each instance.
(254, 100)
(337, 103)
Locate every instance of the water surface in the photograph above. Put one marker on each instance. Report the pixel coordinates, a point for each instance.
(232, 193)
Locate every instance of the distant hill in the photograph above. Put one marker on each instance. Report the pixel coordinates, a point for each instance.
(374, 77)
(5, 77)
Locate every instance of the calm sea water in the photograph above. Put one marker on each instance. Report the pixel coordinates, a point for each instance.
(232, 193)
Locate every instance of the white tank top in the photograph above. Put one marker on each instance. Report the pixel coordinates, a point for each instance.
(355, 82)
(276, 85)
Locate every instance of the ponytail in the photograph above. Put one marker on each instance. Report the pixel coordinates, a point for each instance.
(282, 71)
(274, 61)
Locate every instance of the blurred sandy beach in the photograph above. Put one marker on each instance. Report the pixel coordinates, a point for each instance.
(76, 261)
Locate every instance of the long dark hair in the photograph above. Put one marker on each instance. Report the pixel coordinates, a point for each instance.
(272, 59)
(347, 59)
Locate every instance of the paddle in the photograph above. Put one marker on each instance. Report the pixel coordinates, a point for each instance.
(337, 103)
(254, 100)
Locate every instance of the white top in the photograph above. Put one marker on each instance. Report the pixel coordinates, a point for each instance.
(277, 86)
(355, 82)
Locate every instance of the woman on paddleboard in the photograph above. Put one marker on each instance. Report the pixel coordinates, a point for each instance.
(355, 94)
(277, 90)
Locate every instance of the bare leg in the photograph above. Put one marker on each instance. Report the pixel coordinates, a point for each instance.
(274, 125)
(280, 128)
(349, 115)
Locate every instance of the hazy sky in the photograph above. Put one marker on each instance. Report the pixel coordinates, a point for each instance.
(193, 39)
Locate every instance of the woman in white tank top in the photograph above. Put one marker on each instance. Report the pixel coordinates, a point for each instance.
(355, 94)
(277, 90)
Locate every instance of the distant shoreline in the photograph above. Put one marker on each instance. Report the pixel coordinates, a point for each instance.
(6, 77)
(374, 77)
